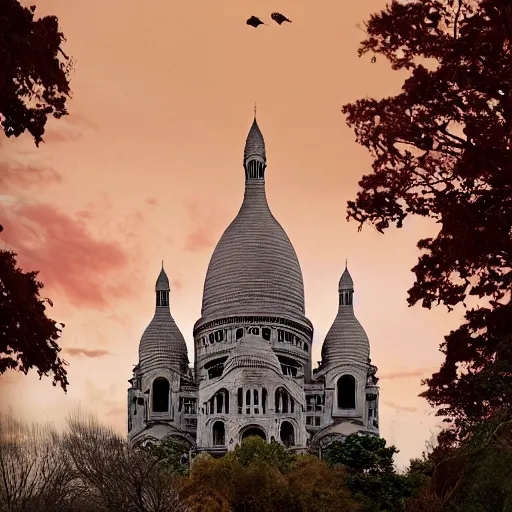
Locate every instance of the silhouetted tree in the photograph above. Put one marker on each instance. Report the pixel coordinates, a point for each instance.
(28, 338)
(34, 76)
(35, 474)
(361, 454)
(371, 475)
(442, 149)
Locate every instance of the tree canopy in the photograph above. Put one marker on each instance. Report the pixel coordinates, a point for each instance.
(34, 78)
(28, 338)
(441, 149)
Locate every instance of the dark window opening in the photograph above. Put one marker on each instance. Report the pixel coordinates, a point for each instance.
(254, 432)
(309, 420)
(280, 335)
(253, 330)
(187, 405)
(289, 366)
(264, 400)
(161, 395)
(248, 397)
(317, 421)
(211, 338)
(346, 389)
(162, 298)
(215, 367)
(240, 400)
(239, 333)
(219, 336)
(287, 434)
(306, 347)
(265, 333)
(219, 433)
(220, 403)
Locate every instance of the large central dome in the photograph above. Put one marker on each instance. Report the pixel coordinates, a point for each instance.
(254, 269)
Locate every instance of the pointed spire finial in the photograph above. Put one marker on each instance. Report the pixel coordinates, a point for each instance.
(254, 110)
(162, 264)
(346, 263)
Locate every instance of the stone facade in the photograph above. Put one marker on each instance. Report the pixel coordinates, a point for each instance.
(252, 372)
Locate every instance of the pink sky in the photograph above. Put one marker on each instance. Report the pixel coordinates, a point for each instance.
(148, 166)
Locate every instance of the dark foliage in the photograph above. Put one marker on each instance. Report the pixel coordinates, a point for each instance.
(28, 338)
(34, 77)
(442, 149)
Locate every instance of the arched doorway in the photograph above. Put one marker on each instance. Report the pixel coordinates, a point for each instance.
(287, 434)
(161, 395)
(346, 388)
(219, 433)
(254, 431)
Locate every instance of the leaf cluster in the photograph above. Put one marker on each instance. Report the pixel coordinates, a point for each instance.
(34, 82)
(28, 338)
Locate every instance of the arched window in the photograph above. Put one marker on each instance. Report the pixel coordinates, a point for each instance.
(287, 434)
(219, 403)
(219, 434)
(161, 395)
(283, 401)
(306, 347)
(265, 333)
(346, 389)
(239, 333)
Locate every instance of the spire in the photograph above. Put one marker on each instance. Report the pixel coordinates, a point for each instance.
(346, 287)
(162, 289)
(255, 159)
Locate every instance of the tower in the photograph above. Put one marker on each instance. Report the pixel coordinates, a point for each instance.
(346, 372)
(161, 377)
(253, 341)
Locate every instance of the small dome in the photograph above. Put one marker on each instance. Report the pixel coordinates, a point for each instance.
(253, 352)
(346, 282)
(162, 345)
(346, 342)
(162, 283)
(254, 144)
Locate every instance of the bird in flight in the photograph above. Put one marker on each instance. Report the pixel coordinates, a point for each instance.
(255, 22)
(279, 18)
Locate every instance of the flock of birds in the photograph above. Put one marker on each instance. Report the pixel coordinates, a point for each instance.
(279, 18)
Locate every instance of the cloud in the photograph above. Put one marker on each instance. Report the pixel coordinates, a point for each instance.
(408, 374)
(398, 407)
(75, 351)
(176, 284)
(208, 225)
(69, 128)
(151, 201)
(18, 176)
(68, 257)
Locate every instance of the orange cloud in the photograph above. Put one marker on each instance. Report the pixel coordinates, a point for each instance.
(86, 352)
(408, 374)
(68, 257)
(151, 201)
(18, 176)
(398, 407)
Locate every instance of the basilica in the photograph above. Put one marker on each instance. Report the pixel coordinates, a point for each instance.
(252, 373)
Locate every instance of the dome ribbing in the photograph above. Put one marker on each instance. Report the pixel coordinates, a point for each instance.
(254, 144)
(253, 352)
(254, 269)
